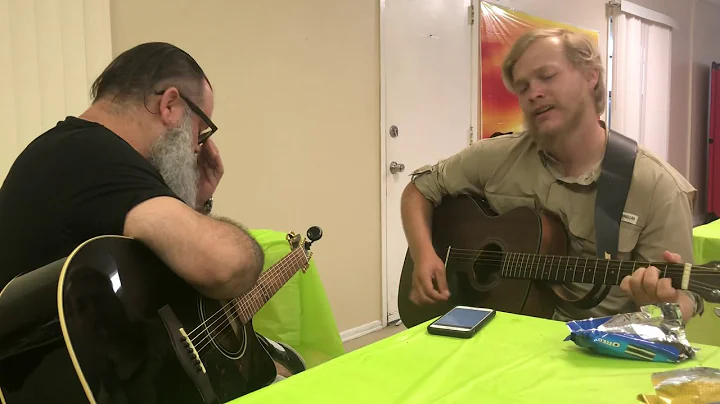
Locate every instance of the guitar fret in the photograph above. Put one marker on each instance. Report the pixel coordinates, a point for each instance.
(567, 262)
(508, 260)
(518, 267)
(557, 271)
(528, 265)
(606, 271)
(502, 267)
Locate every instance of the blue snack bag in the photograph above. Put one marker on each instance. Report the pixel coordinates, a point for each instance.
(656, 334)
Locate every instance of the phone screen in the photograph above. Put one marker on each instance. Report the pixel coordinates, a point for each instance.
(463, 318)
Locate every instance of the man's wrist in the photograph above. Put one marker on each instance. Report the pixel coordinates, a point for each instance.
(698, 307)
(206, 207)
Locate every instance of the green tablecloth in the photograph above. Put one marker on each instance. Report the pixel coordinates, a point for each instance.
(299, 314)
(706, 248)
(514, 359)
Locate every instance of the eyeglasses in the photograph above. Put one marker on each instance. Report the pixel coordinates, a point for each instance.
(211, 128)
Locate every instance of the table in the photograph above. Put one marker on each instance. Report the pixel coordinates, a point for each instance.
(514, 359)
(706, 248)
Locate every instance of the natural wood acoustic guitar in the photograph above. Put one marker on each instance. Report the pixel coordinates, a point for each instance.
(517, 262)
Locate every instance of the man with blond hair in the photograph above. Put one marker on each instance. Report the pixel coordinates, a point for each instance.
(559, 80)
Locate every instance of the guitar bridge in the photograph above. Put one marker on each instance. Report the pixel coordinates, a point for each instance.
(187, 355)
(192, 351)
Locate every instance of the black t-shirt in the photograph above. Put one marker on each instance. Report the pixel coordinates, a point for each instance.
(74, 182)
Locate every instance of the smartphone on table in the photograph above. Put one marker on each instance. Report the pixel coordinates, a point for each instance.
(461, 321)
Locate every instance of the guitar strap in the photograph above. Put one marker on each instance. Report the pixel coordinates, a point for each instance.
(612, 191)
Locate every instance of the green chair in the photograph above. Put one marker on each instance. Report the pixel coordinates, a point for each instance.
(299, 314)
(706, 248)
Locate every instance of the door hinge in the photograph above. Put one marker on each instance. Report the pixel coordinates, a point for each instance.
(471, 14)
(472, 136)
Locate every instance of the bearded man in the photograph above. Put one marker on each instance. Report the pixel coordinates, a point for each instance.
(559, 80)
(138, 162)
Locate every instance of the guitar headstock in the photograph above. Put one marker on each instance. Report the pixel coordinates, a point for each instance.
(296, 241)
(705, 281)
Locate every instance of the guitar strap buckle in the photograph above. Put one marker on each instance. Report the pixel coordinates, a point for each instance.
(612, 191)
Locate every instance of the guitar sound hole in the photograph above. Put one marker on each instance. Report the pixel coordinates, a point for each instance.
(222, 330)
(487, 266)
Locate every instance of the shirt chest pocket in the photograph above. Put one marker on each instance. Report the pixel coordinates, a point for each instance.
(582, 239)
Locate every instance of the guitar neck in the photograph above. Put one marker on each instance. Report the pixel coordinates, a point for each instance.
(269, 283)
(580, 269)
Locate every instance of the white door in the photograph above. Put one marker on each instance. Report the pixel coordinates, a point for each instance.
(428, 89)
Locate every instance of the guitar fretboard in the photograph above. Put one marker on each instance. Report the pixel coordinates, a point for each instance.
(269, 283)
(579, 269)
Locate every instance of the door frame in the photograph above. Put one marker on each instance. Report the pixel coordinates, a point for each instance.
(383, 136)
(383, 173)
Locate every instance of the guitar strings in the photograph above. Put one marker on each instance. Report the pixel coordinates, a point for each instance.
(517, 261)
(515, 271)
(522, 268)
(232, 301)
(699, 285)
(241, 304)
(458, 255)
(245, 302)
(236, 303)
(613, 264)
(235, 314)
(472, 254)
(211, 337)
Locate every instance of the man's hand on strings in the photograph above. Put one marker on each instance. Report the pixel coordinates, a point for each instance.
(428, 268)
(645, 286)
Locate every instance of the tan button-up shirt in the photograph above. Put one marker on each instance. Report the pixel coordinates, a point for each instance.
(511, 171)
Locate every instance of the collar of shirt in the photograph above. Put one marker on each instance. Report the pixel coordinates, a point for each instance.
(586, 178)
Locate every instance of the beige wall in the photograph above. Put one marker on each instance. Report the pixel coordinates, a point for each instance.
(298, 109)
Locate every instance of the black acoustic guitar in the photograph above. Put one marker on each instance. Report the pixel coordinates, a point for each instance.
(112, 324)
(517, 262)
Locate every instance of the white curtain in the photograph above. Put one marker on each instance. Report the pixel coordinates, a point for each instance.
(640, 103)
(50, 53)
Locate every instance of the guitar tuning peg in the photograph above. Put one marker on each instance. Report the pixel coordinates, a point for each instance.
(314, 233)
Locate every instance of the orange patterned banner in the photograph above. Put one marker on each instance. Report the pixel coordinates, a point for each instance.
(500, 27)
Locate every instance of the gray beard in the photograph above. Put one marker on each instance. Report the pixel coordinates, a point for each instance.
(173, 157)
